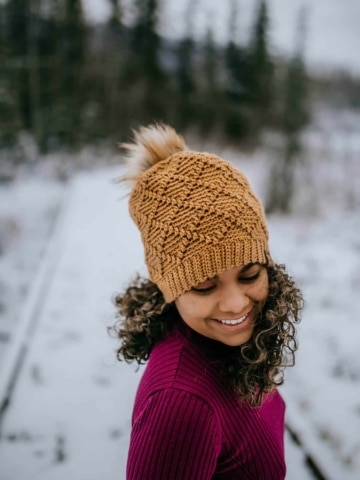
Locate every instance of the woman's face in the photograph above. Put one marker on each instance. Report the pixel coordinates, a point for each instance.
(225, 308)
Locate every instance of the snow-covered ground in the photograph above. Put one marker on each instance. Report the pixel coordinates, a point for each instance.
(69, 415)
(28, 211)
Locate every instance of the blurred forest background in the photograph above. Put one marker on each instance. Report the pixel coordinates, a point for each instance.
(72, 88)
(65, 83)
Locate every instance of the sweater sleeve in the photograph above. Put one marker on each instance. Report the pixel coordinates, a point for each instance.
(173, 437)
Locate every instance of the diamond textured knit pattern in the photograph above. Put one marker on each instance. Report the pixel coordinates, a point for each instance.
(198, 217)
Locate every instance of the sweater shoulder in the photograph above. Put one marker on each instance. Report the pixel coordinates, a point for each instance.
(176, 364)
(174, 435)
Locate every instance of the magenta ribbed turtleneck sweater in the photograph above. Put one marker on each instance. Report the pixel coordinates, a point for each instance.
(187, 425)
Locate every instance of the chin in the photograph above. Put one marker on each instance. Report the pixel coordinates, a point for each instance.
(235, 342)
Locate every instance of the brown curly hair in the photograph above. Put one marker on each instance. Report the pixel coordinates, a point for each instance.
(256, 367)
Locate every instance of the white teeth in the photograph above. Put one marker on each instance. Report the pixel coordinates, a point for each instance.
(233, 322)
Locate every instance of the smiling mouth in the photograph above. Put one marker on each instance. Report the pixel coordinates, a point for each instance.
(234, 322)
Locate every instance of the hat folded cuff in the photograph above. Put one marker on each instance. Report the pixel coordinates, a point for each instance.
(202, 266)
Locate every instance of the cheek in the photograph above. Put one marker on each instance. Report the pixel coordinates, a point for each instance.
(189, 306)
(260, 291)
(264, 292)
(183, 307)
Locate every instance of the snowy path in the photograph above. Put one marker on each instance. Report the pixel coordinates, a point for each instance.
(69, 415)
(70, 411)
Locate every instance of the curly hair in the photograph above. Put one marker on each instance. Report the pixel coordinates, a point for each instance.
(254, 368)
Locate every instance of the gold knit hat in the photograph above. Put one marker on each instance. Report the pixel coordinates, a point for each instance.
(196, 213)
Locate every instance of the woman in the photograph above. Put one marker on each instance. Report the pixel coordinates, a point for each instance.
(215, 322)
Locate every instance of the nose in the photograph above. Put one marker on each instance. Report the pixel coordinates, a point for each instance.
(233, 299)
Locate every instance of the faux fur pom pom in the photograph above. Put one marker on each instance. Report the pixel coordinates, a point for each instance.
(151, 145)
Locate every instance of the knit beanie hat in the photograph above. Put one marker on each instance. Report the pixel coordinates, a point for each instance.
(196, 213)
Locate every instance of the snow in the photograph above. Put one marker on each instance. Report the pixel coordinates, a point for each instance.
(27, 214)
(70, 410)
(326, 258)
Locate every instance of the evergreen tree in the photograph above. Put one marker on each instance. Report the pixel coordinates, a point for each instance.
(116, 63)
(296, 111)
(45, 39)
(185, 72)
(148, 82)
(9, 113)
(73, 44)
(295, 116)
(46, 42)
(115, 20)
(235, 61)
(236, 66)
(24, 31)
(16, 32)
(185, 82)
(259, 71)
(209, 96)
(210, 62)
(235, 89)
(71, 51)
(146, 41)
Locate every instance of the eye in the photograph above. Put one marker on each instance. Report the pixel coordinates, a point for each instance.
(250, 277)
(204, 287)
(203, 291)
